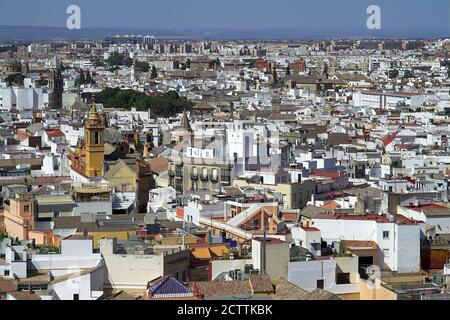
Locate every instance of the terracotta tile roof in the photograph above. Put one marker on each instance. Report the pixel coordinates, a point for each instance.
(24, 296)
(270, 240)
(124, 294)
(310, 229)
(55, 133)
(21, 135)
(357, 244)
(7, 285)
(218, 250)
(285, 290)
(327, 173)
(320, 294)
(432, 209)
(389, 138)
(201, 253)
(260, 283)
(159, 164)
(369, 217)
(427, 206)
(204, 106)
(331, 205)
(208, 251)
(223, 288)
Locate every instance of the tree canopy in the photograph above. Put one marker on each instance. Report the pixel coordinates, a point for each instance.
(154, 74)
(142, 66)
(408, 74)
(393, 74)
(84, 79)
(161, 106)
(16, 79)
(117, 59)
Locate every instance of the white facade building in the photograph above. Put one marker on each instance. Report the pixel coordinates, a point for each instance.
(398, 238)
(387, 100)
(17, 98)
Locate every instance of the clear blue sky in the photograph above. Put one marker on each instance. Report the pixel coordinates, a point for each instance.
(241, 14)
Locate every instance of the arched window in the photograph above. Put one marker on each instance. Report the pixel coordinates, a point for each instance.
(215, 174)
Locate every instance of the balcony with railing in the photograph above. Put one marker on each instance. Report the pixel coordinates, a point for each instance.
(225, 178)
(179, 187)
(194, 176)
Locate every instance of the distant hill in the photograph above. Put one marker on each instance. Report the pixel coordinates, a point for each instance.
(11, 33)
(33, 33)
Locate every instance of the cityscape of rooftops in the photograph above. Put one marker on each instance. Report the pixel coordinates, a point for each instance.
(225, 150)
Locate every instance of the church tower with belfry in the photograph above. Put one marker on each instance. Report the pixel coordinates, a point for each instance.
(56, 85)
(95, 144)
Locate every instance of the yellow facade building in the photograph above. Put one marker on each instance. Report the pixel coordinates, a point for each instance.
(95, 144)
(88, 158)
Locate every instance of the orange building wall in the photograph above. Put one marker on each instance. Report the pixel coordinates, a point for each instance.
(17, 220)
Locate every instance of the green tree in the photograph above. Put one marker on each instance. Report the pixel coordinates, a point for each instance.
(217, 63)
(64, 68)
(188, 63)
(393, 74)
(274, 77)
(408, 74)
(81, 78)
(288, 70)
(89, 79)
(115, 59)
(167, 105)
(143, 66)
(84, 78)
(98, 62)
(154, 73)
(15, 79)
(128, 62)
(43, 82)
(410, 46)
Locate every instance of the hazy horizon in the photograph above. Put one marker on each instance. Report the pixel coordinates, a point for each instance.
(232, 14)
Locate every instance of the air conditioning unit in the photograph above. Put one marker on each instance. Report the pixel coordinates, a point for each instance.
(248, 268)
